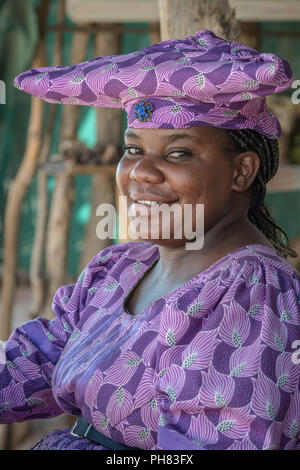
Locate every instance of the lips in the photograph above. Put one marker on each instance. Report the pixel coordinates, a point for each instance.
(147, 207)
(142, 198)
(152, 203)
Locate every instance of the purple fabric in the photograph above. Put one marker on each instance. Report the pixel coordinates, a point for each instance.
(203, 80)
(208, 366)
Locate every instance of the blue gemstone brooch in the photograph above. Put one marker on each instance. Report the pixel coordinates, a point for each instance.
(143, 111)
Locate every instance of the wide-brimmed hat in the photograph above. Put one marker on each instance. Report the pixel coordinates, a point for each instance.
(202, 80)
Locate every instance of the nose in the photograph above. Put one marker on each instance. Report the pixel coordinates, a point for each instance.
(146, 170)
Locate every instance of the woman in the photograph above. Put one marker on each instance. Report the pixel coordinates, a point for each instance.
(157, 346)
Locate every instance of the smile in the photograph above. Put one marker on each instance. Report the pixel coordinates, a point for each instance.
(150, 203)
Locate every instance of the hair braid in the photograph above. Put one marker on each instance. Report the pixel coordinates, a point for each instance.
(259, 214)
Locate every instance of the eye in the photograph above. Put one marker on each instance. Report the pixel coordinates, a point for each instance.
(131, 150)
(179, 154)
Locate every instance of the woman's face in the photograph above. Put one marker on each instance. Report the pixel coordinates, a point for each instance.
(186, 166)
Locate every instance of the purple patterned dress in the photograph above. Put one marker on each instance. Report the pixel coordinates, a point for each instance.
(211, 365)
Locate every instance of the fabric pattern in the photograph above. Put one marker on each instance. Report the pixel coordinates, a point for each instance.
(210, 365)
(203, 80)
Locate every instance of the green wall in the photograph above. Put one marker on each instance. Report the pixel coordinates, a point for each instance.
(285, 206)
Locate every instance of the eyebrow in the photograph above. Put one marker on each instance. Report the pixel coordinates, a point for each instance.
(169, 138)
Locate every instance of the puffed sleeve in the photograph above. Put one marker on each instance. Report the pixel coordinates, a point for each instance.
(28, 357)
(235, 385)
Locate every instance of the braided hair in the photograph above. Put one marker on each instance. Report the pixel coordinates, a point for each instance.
(259, 214)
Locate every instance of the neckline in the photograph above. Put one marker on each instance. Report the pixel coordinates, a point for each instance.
(125, 300)
(190, 281)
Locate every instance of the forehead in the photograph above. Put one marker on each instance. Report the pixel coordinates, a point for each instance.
(194, 134)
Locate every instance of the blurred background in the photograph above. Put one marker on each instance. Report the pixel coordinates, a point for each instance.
(57, 163)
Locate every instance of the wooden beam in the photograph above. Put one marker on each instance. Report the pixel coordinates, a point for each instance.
(179, 19)
(286, 179)
(70, 169)
(100, 27)
(283, 33)
(262, 10)
(115, 11)
(112, 11)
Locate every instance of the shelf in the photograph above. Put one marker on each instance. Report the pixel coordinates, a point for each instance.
(286, 179)
(68, 169)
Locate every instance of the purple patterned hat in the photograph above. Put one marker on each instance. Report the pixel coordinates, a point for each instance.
(202, 80)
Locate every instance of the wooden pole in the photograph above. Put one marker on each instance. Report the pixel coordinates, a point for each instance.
(10, 433)
(155, 35)
(109, 132)
(295, 245)
(250, 35)
(179, 19)
(16, 195)
(15, 199)
(57, 239)
(37, 278)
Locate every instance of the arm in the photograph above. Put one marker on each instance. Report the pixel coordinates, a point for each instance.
(29, 356)
(27, 362)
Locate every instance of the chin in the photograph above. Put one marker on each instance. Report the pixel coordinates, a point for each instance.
(160, 241)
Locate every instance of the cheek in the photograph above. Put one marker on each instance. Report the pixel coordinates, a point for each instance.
(122, 177)
(189, 185)
(197, 188)
(198, 183)
(213, 189)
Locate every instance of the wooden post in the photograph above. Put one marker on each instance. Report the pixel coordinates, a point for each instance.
(109, 132)
(16, 195)
(250, 35)
(10, 433)
(37, 277)
(155, 35)
(15, 199)
(295, 245)
(179, 19)
(63, 197)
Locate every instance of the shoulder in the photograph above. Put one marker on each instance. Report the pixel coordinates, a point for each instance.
(96, 271)
(266, 266)
(255, 263)
(107, 257)
(255, 278)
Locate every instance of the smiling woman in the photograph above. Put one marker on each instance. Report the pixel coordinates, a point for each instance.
(157, 346)
(203, 165)
(253, 157)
